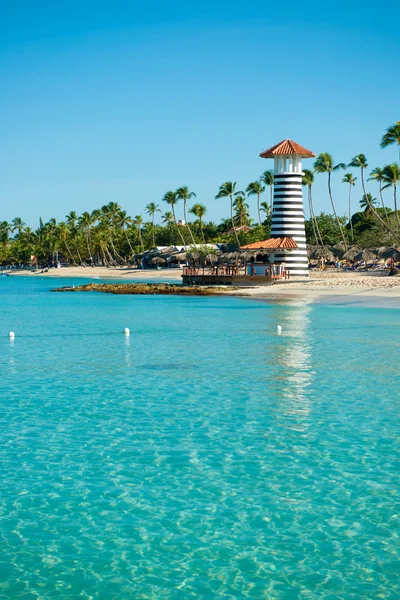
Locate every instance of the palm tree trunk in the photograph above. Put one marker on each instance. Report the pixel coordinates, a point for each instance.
(187, 223)
(315, 218)
(127, 239)
(270, 195)
(202, 231)
(140, 238)
(233, 224)
(78, 253)
(258, 208)
(383, 204)
(334, 210)
(152, 228)
(312, 218)
(395, 202)
(70, 253)
(177, 228)
(350, 219)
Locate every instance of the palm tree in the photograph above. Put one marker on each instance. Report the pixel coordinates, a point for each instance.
(266, 208)
(18, 225)
(171, 199)
(366, 202)
(242, 216)
(308, 180)
(63, 234)
(229, 189)
(324, 164)
(138, 221)
(85, 222)
(391, 176)
(256, 189)
(392, 136)
(199, 210)
(167, 218)
(124, 221)
(183, 193)
(5, 231)
(72, 222)
(377, 175)
(151, 210)
(361, 161)
(351, 180)
(268, 179)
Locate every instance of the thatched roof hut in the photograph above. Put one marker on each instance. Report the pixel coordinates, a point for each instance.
(322, 253)
(390, 252)
(366, 255)
(158, 260)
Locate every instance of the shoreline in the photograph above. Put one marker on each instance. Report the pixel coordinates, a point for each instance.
(332, 287)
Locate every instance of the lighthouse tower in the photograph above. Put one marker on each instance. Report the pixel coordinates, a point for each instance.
(287, 208)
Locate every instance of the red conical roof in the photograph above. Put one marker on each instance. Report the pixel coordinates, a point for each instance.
(287, 148)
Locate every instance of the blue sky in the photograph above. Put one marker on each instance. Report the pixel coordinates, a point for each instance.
(115, 101)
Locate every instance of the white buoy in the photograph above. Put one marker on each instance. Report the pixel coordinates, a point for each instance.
(127, 331)
(11, 335)
(279, 328)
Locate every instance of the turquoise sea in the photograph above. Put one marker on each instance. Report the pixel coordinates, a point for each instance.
(205, 456)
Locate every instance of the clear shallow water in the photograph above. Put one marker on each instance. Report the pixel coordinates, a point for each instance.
(203, 457)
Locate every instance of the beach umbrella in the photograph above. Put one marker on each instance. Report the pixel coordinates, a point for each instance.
(338, 249)
(157, 260)
(180, 256)
(366, 255)
(310, 249)
(351, 253)
(390, 252)
(322, 253)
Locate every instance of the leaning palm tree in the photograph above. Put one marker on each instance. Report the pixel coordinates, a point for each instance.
(391, 177)
(267, 178)
(351, 180)
(138, 221)
(199, 210)
(183, 193)
(256, 189)
(392, 136)
(308, 180)
(171, 199)
(151, 210)
(228, 189)
(378, 175)
(324, 164)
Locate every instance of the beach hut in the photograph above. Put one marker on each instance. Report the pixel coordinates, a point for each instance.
(266, 256)
(287, 208)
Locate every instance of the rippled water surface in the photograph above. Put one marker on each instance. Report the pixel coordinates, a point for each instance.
(203, 457)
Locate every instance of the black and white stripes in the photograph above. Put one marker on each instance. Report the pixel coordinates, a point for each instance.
(288, 220)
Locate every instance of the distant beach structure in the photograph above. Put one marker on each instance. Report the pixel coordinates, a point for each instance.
(287, 208)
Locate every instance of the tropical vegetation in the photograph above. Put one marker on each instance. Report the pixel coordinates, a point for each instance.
(110, 236)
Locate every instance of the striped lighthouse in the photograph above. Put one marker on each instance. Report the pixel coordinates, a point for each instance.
(287, 208)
